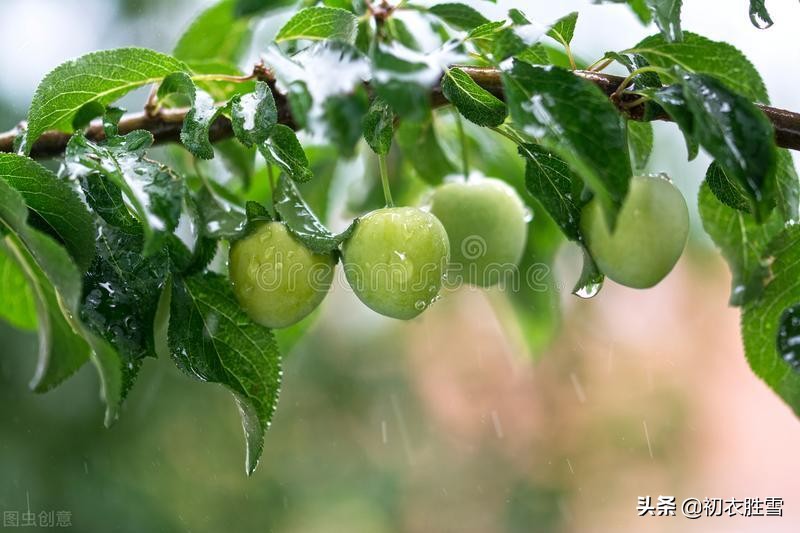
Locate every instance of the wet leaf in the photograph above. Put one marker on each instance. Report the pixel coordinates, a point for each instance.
(216, 34)
(550, 180)
(759, 15)
(420, 145)
(54, 205)
(302, 222)
(742, 241)
(211, 339)
(317, 23)
(379, 127)
(703, 56)
(118, 167)
(667, 14)
(120, 296)
(640, 142)
(672, 100)
(64, 343)
(737, 135)
(726, 190)
(254, 115)
(577, 121)
(764, 321)
(198, 121)
(474, 102)
(564, 29)
(98, 77)
(459, 16)
(283, 149)
(344, 120)
(17, 303)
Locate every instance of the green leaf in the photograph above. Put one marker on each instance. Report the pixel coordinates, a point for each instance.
(759, 15)
(474, 102)
(667, 14)
(672, 100)
(459, 16)
(17, 303)
(640, 9)
(151, 190)
(302, 222)
(564, 29)
(344, 119)
(213, 340)
(550, 180)
(403, 79)
(578, 122)
(198, 121)
(239, 159)
(535, 55)
(701, 55)
(640, 142)
(726, 190)
(216, 34)
(507, 43)
(262, 7)
(283, 149)
(62, 351)
(56, 286)
(742, 241)
(420, 145)
(254, 115)
(217, 217)
(95, 78)
(788, 187)
(120, 296)
(772, 314)
(318, 23)
(55, 207)
(486, 31)
(379, 127)
(737, 135)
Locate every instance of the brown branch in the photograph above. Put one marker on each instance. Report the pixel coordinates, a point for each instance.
(165, 125)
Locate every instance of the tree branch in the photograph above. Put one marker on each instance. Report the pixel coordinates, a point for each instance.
(165, 125)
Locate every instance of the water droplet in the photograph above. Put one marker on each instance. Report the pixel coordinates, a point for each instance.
(528, 214)
(588, 290)
(788, 340)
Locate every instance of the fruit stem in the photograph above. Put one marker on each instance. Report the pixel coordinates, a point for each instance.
(272, 184)
(387, 192)
(464, 147)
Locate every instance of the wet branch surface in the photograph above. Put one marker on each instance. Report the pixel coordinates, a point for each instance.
(165, 125)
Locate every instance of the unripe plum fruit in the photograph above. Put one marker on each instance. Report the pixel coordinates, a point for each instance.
(486, 222)
(276, 279)
(396, 259)
(649, 237)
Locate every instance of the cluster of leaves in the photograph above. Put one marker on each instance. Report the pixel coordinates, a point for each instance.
(112, 258)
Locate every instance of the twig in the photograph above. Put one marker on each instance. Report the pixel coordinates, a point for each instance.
(166, 126)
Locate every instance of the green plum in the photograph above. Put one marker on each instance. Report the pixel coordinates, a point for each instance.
(486, 222)
(276, 279)
(396, 259)
(649, 237)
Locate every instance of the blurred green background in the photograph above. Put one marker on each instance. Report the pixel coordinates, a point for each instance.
(464, 420)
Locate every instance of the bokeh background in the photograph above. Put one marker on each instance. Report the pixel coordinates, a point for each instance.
(449, 423)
